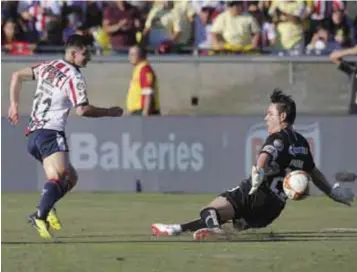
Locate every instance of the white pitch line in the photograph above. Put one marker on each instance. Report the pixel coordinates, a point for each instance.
(339, 230)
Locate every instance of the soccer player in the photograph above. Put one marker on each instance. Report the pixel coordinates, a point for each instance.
(260, 199)
(60, 86)
(143, 94)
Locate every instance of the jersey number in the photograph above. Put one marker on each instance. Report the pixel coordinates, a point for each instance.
(277, 187)
(47, 102)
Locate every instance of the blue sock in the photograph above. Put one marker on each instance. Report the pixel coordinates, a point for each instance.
(52, 192)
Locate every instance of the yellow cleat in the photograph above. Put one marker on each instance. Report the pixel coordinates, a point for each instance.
(41, 226)
(53, 220)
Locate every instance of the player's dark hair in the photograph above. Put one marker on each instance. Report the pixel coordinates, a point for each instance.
(285, 104)
(76, 40)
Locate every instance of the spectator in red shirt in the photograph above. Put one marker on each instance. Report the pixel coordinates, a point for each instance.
(11, 40)
(121, 21)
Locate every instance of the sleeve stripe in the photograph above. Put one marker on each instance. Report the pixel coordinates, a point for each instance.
(73, 91)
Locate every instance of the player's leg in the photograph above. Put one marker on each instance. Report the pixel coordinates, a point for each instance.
(34, 143)
(246, 211)
(212, 217)
(50, 147)
(55, 166)
(52, 218)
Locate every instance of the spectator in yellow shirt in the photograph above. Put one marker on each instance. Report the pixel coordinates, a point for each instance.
(235, 31)
(289, 29)
(169, 22)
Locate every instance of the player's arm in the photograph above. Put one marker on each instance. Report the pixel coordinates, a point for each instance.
(270, 151)
(16, 83)
(93, 111)
(15, 87)
(337, 55)
(320, 181)
(77, 93)
(335, 191)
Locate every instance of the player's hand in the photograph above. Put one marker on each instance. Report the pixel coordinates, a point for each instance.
(336, 56)
(342, 195)
(13, 114)
(257, 179)
(115, 111)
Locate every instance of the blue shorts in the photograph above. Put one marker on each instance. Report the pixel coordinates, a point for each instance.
(45, 142)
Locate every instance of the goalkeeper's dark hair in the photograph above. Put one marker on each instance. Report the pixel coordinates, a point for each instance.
(76, 40)
(284, 104)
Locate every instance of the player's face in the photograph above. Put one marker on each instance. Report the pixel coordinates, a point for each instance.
(133, 55)
(273, 119)
(82, 57)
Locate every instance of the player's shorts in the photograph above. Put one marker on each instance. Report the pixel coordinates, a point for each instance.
(258, 210)
(45, 142)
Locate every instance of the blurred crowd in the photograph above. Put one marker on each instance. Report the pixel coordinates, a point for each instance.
(181, 27)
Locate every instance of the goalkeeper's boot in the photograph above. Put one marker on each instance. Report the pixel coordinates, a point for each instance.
(41, 226)
(53, 220)
(165, 230)
(209, 234)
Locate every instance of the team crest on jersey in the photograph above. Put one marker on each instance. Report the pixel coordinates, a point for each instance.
(80, 86)
(278, 144)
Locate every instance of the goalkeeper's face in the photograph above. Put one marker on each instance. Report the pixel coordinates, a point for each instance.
(273, 119)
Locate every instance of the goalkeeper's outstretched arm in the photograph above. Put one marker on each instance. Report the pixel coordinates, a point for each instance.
(335, 191)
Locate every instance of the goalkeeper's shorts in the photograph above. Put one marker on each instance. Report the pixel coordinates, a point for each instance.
(258, 210)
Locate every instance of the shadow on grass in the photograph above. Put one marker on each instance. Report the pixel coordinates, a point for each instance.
(248, 237)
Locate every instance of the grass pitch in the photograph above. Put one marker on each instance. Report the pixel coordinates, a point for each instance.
(111, 232)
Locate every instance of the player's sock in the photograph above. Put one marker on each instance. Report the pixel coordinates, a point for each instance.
(51, 193)
(67, 186)
(210, 217)
(193, 225)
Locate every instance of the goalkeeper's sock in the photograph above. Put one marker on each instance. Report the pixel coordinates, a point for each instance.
(193, 225)
(210, 217)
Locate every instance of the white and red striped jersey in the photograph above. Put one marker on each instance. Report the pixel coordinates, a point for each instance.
(60, 87)
(322, 9)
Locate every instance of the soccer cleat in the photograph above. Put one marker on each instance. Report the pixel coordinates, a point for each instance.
(165, 230)
(53, 220)
(209, 234)
(41, 226)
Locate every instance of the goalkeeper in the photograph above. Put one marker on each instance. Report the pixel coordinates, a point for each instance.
(260, 199)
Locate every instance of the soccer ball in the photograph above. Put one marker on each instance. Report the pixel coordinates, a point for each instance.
(296, 184)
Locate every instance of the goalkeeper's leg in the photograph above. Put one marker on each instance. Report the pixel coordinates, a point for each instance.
(211, 217)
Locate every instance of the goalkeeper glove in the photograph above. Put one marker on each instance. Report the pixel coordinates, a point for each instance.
(257, 178)
(342, 195)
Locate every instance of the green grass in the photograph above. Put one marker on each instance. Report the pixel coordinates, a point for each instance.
(111, 232)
